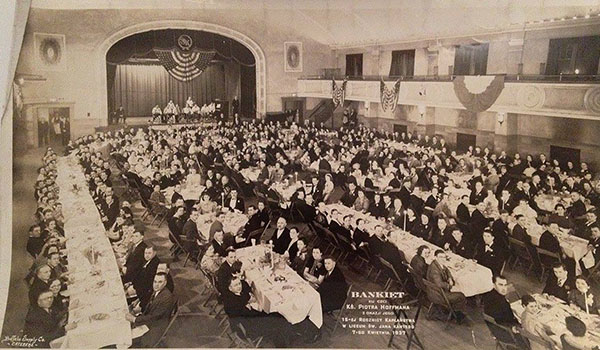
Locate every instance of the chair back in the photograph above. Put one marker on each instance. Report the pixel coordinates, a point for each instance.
(434, 293)
(519, 248)
(536, 339)
(417, 279)
(503, 334)
(547, 258)
(392, 269)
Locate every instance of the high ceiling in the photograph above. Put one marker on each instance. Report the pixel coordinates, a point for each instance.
(346, 23)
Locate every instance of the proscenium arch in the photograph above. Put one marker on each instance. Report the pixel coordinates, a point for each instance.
(259, 56)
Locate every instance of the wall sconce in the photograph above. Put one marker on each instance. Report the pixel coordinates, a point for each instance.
(500, 116)
(422, 109)
(422, 91)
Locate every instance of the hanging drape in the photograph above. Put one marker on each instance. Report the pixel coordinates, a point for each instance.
(184, 66)
(403, 63)
(248, 91)
(138, 88)
(338, 93)
(478, 102)
(389, 97)
(354, 65)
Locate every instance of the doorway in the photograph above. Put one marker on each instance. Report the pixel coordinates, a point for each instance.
(565, 154)
(53, 126)
(293, 105)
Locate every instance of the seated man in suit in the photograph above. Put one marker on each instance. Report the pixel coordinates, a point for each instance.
(233, 202)
(225, 271)
(491, 254)
(41, 322)
(157, 313)
(439, 274)
(559, 284)
(314, 271)
(281, 237)
(142, 283)
(254, 226)
(333, 289)
(135, 257)
(242, 309)
(592, 257)
(190, 230)
(496, 305)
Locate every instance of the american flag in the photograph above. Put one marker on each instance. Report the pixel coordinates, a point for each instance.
(184, 66)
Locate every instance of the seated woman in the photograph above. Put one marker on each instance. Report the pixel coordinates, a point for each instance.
(193, 179)
(419, 261)
(532, 325)
(206, 205)
(582, 295)
(575, 337)
(217, 250)
(60, 305)
(314, 269)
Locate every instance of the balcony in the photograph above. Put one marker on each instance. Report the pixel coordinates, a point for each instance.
(568, 96)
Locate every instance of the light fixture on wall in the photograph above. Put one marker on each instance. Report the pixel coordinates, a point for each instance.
(501, 116)
(422, 109)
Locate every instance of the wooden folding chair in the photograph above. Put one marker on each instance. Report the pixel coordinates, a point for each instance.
(395, 276)
(174, 315)
(241, 338)
(437, 297)
(410, 334)
(521, 253)
(547, 260)
(340, 312)
(504, 336)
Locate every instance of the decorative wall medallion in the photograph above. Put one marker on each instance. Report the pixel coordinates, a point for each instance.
(293, 56)
(591, 100)
(531, 96)
(50, 51)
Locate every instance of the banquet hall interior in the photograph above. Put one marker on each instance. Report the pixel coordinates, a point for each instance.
(306, 174)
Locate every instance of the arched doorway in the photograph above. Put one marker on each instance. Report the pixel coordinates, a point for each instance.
(251, 45)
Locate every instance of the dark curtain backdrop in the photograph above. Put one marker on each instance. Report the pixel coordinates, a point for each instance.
(471, 59)
(138, 88)
(403, 63)
(248, 91)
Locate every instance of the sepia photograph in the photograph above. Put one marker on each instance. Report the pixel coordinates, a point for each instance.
(346, 174)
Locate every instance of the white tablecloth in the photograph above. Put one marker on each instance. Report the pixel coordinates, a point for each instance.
(293, 298)
(97, 300)
(471, 278)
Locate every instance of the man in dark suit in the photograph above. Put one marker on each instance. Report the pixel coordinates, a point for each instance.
(478, 194)
(491, 253)
(236, 302)
(109, 208)
(500, 229)
(497, 306)
(281, 237)
(142, 283)
(176, 194)
(233, 202)
(334, 287)
(519, 232)
(548, 240)
(157, 314)
(40, 283)
(463, 216)
(254, 223)
(225, 271)
(505, 202)
(190, 231)
(42, 323)
(440, 276)
(559, 284)
(350, 195)
(135, 257)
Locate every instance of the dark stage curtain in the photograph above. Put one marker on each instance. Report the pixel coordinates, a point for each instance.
(138, 88)
(248, 91)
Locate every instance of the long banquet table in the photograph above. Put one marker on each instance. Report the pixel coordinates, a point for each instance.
(293, 297)
(97, 300)
(471, 278)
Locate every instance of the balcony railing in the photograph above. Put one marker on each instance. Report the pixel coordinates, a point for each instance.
(525, 78)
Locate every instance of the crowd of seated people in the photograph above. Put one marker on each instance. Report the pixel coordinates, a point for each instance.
(470, 204)
(47, 317)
